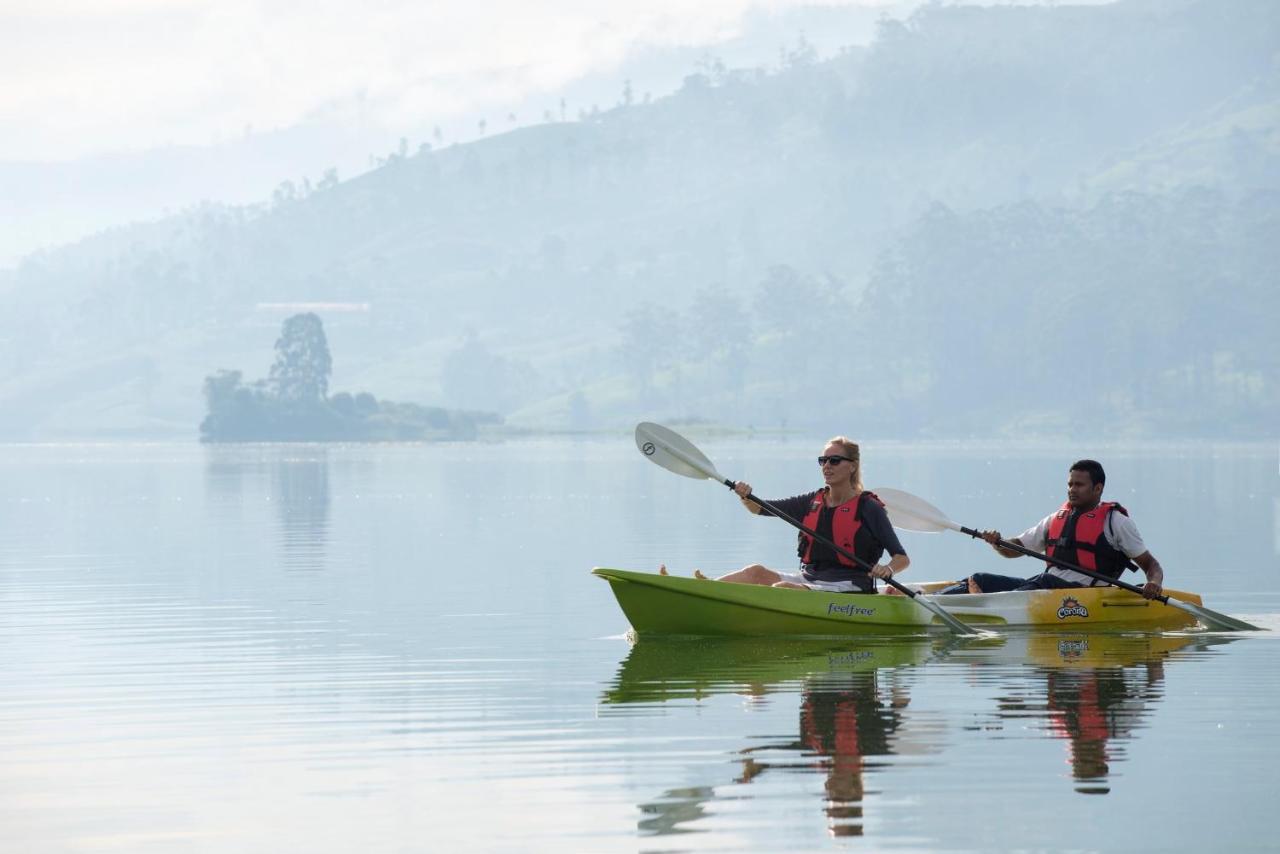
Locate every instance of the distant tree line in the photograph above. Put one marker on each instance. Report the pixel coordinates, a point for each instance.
(1144, 314)
(293, 404)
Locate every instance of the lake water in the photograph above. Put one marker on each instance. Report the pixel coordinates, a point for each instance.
(400, 648)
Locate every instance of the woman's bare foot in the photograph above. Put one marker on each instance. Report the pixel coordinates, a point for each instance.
(697, 573)
(891, 591)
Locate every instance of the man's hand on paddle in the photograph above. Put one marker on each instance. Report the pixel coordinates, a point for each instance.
(994, 538)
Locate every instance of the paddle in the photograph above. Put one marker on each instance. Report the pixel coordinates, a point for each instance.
(676, 453)
(912, 513)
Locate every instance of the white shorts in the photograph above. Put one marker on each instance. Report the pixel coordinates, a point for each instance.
(824, 586)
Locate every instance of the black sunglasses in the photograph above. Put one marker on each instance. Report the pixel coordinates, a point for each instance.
(834, 460)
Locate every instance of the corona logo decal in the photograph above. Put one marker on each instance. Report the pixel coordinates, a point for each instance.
(1071, 607)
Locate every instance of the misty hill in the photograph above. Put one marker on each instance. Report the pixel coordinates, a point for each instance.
(59, 200)
(985, 199)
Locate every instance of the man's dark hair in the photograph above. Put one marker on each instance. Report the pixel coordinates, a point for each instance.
(1093, 468)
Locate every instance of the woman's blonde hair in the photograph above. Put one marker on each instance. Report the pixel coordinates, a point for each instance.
(851, 451)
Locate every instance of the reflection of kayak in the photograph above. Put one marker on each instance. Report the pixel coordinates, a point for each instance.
(667, 604)
(658, 670)
(1067, 650)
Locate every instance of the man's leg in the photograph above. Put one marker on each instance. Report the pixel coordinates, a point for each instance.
(989, 582)
(1045, 581)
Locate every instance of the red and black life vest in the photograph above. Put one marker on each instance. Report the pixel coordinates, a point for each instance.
(847, 530)
(833, 736)
(1078, 537)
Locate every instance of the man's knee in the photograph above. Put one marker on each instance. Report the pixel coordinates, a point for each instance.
(987, 582)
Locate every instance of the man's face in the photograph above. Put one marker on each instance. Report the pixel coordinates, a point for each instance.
(1082, 492)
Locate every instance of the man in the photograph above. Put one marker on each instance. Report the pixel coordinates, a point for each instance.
(1086, 532)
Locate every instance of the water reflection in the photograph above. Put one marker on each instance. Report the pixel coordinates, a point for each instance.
(1089, 708)
(842, 724)
(292, 478)
(672, 812)
(301, 489)
(658, 670)
(839, 728)
(847, 711)
(1092, 691)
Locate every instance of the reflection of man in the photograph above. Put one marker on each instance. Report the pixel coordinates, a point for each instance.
(1091, 707)
(843, 724)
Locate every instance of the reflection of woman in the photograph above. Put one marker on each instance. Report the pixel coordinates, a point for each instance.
(846, 726)
(843, 726)
(842, 512)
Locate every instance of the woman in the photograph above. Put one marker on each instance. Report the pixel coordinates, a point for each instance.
(842, 512)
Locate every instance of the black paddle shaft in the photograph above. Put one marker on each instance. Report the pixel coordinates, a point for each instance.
(902, 588)
(1020, 549)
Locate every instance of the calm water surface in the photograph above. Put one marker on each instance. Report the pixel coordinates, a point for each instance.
(399, 648)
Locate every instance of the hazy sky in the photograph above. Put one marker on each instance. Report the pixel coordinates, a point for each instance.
(81, 77)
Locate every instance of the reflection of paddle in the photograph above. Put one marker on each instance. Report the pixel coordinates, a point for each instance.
(676, 453)
(911, 513)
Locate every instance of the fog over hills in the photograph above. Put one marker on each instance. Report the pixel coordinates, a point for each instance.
(991, 221)
(50, 195)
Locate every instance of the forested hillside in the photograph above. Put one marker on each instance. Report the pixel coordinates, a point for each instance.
(993, 221)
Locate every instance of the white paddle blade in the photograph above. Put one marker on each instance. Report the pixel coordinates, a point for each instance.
(911, 513)
(673, 452)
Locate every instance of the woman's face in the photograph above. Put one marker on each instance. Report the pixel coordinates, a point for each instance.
(836, 472)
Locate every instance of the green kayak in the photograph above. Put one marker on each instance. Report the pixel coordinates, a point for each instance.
(670, 605)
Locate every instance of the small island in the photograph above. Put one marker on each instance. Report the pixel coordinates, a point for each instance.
(293, 403)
